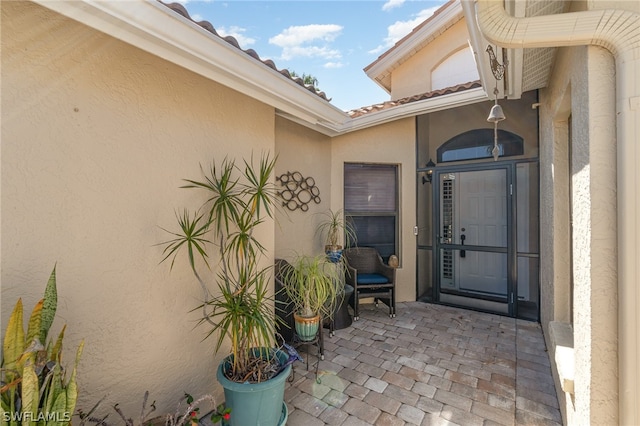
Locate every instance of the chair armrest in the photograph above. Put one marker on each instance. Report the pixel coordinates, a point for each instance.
(350, 276)
(387, 271)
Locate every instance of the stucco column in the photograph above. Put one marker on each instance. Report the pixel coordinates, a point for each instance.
(618, 31)
(594, 238)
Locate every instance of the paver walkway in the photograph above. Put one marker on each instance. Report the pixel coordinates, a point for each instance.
(431, 365)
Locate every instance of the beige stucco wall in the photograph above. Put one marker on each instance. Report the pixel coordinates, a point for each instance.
(582, 86)
(392, 143)
(403, 79)
(309, 153)
(444, 125)
(96, 137)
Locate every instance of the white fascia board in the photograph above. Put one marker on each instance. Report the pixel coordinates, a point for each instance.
(406, 47)
(398, 112)
(411, 109)
(330, 129)
(477, 43)
(152, 27)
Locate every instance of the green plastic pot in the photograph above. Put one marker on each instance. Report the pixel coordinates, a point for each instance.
(260, 404)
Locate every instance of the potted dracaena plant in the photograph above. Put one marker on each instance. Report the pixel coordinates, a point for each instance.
(239, 307)
(315, 287)
(332, 226)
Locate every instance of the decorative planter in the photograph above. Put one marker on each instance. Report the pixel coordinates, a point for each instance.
(260, 404)
(307, 328)
(334, 253)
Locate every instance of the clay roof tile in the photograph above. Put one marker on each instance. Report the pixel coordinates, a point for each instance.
(180, 9)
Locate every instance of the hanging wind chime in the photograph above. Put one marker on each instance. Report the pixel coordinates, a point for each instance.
(496, 115)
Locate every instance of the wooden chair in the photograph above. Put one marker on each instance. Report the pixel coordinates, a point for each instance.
(370, 277)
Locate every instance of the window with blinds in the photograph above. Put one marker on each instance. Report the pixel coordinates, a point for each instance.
(371, 205)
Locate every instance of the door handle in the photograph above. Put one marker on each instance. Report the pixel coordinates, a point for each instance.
(463, 253)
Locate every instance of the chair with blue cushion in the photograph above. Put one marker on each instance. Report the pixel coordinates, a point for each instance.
(370, 277)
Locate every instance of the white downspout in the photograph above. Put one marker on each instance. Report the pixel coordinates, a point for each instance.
(619, 32)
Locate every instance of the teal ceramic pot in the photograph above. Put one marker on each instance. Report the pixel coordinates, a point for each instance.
(307, 328)
(260, 404)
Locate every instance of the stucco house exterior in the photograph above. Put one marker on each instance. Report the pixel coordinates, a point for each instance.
(107, 106)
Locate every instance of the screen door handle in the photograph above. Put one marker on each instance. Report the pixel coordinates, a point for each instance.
(463, 253)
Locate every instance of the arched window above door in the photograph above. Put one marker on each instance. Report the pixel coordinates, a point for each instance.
(477, 144)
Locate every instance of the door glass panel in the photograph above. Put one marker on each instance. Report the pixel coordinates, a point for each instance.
(527, 207)
(475, 272)
(482, 213)
(528, 288)
(473, 208)
(481, 286)
(425, 275)
(425, 211)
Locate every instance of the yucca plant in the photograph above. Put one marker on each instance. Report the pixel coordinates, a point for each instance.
(332, 225)
(238, 199)
(314, 285)
(35, 388)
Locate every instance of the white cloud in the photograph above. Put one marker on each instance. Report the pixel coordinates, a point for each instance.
(291, 52)
(238, 34)
(399, 29)
(333, 65)
(390, 4)
(298, 35)
(308, 41)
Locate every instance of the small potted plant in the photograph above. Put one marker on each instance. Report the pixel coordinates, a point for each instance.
(239, 308)
(315, 288)
(332, 226)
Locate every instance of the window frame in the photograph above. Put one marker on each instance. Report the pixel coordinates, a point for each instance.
(476, 144)
(395, 214)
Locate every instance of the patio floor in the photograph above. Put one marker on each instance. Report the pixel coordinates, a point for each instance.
(431, 365)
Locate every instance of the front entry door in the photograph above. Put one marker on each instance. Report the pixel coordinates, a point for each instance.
(473, 238)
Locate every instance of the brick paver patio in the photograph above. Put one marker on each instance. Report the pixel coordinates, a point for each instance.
(431, 365)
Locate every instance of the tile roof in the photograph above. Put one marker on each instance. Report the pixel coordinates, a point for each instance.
(428, 95)
(181, 10)
(358, 112)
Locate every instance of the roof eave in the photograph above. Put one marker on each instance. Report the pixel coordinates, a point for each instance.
(511, 86)
(412, 109)
(410, 43)
(179, 40)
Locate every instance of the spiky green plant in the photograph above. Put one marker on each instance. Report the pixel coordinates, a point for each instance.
(332, 225)
(34, 387)
(314, 285)
(238, 199)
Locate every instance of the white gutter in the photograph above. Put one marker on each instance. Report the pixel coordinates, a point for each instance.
(411, 109)
(619, 32)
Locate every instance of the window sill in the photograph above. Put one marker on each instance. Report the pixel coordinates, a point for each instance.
(561, 335)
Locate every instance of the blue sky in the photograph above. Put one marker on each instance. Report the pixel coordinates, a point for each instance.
(331, 40)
